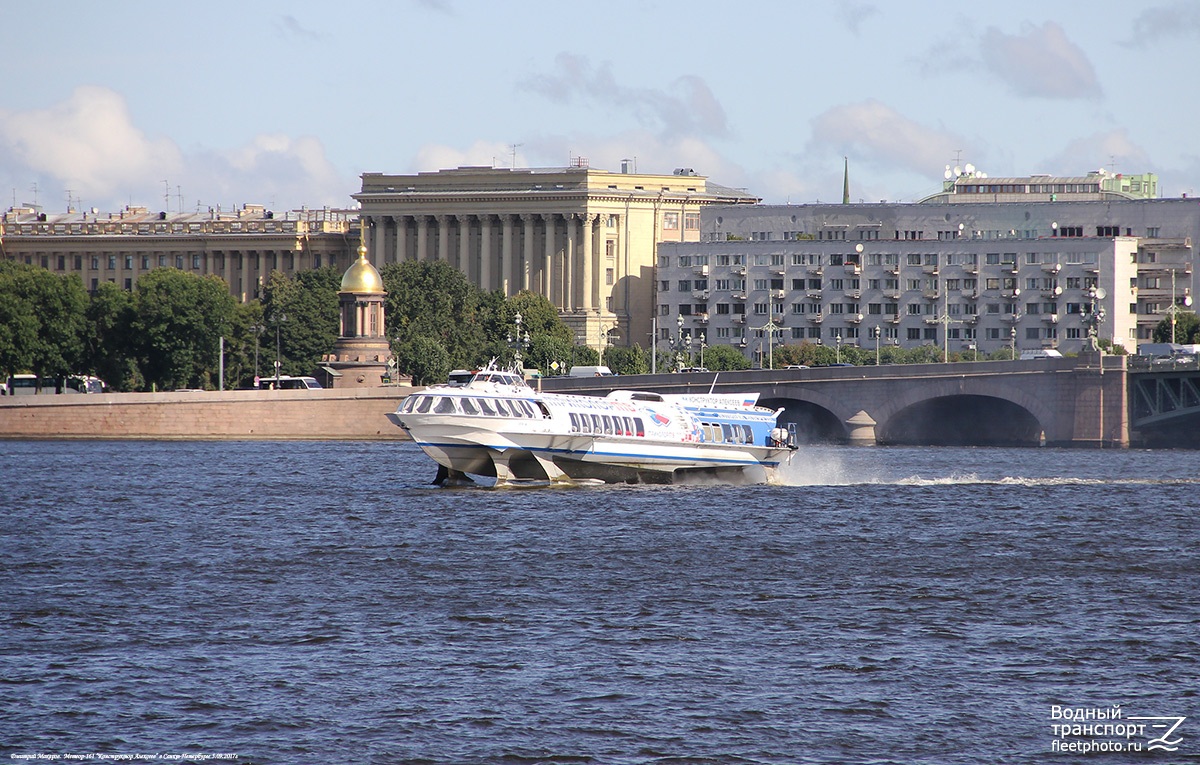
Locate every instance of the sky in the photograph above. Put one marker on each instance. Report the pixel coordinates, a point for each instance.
(185, 106)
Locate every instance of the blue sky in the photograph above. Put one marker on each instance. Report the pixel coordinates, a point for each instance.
(287, 103)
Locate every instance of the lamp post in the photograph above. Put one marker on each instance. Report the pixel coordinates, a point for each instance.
(703, 345)
(1012, 336)
(1094, 318)
(278, 320)
(771, 328)
(838, 352)
(679, 346)
(974, 350)
(257, 329)
(876, 331)
(1174, 309)
(516, 341)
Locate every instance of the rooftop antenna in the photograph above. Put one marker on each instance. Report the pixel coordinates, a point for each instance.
(34, 189)
(167, 195)
(179, 197)
(514, 154)
(68, 200)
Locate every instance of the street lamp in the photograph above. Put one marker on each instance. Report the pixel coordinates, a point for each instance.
(517, 341)
(257, 329)
(1175, 310)
(278, 319)
(771, 328)
(1094, 317)
(703, 344)
(838, 340)
(679, 345)
(876, 331)
(1012, 336)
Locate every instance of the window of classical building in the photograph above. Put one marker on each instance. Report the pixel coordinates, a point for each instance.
(670, 221)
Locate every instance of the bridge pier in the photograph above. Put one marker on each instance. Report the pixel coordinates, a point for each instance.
(861, 429)
(1099, 403)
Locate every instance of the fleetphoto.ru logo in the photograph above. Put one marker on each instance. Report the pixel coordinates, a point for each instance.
(1084, 730)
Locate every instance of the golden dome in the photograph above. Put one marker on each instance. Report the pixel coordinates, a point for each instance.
(362, 276)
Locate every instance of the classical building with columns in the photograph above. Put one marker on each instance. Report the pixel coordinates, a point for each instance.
(585, 239)
(242, 246)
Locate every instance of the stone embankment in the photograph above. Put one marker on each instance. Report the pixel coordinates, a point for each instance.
(349, 414)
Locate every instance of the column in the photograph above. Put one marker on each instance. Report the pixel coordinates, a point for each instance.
(527, 257)
(506, 253)
(464, 245)
(422, 238)
(443, 247)
(569, 271)
(590, 260)
(547, 267)
(485, 253)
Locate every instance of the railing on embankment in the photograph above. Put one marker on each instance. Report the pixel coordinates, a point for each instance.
(244, 414)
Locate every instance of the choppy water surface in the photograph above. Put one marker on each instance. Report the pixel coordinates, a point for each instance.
(319, 602)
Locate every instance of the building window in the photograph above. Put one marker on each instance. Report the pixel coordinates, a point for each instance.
(691, 221)
(670, 221)
(609, 275)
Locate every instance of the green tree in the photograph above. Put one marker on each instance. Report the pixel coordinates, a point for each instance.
(1187, 327)
(179, 320)
(545, 350)
(433, 300)
(425, 359)
(44, 320)
(110, 352)
(723, 358)
(244, 345)
(305, 308)
(629, 360)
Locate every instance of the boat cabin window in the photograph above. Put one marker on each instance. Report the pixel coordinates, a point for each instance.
(444, 405)
(502, 408)
(640, 396)
(486, 407)
(639, 426)
(468, 405)
(424, 403)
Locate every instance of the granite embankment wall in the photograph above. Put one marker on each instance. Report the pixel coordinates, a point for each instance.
(244, 414)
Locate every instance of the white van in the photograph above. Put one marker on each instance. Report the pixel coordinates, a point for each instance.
(590, 371)
(1043, 353)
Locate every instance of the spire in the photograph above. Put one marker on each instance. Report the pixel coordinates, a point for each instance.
(846, 182)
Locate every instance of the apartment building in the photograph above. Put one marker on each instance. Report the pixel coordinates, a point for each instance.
(954, 270)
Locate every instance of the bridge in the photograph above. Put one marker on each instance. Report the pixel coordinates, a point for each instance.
(1091, 400)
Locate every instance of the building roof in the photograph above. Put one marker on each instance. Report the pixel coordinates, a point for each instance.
(362, 277)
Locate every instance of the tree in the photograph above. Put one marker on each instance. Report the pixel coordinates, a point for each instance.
(628, 360)
(179, 320)
(309, 301)
(44, 318)
(424, 359)
(546, 350)
(110, 353)
(725, 358)
(1187, 327)
(433, 300)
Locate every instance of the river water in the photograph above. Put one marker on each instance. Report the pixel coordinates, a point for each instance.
(320, 602)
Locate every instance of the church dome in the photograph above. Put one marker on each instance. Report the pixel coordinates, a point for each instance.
(362, 276)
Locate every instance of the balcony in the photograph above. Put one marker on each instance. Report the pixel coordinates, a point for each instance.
(892, 294)
(1052, 268)
(779, 294)
(931, 294)
(813, 294)
(739, 270)
(894, 269)
(971, 319)
(700, 294)
(893, 318)
(700, 270)
(1012, 318)
(1011, 294)
(816, 318)
(853, 269)
(854, 294)
(931, 270)
(778, 270)
(816, 270)
(971, 268)
(854, 318)
(739, 318)
(1052, 292)
(1050, 318)
(738, 295)
(701, 318)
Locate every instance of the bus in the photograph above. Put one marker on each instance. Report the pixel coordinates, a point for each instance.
(28, 385)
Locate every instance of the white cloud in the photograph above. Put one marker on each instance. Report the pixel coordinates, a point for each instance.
(89, 144)
(686, 107)
(1040, 61)
(854, 14)
(874, 132)
(1112, 150)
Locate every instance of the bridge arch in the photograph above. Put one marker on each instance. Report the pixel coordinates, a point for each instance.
(815, 421)
(965, 411)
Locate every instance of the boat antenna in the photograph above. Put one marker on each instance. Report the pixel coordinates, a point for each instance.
(714, 382)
